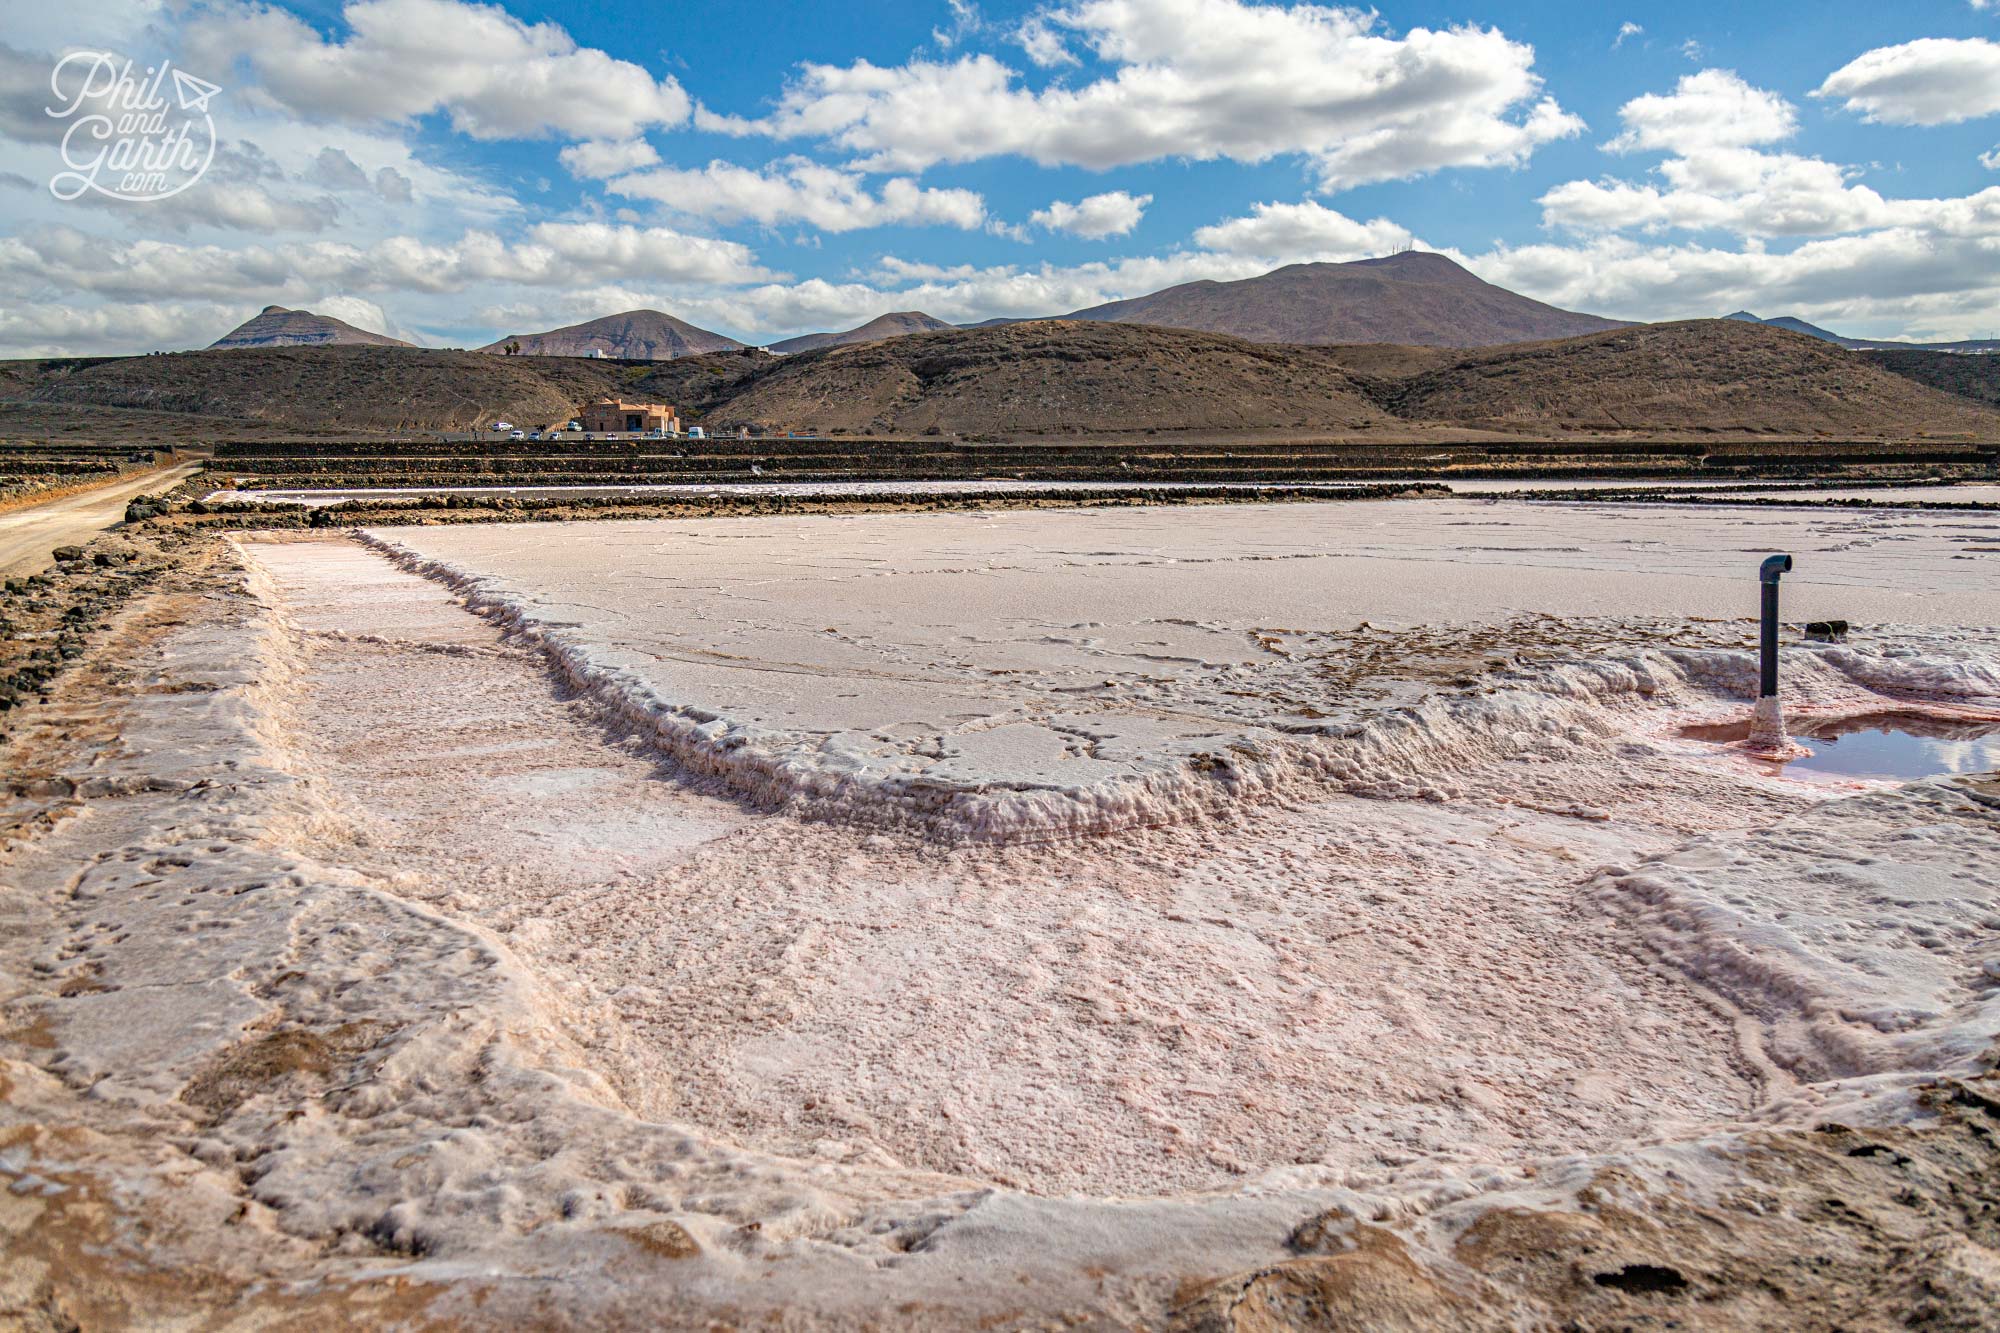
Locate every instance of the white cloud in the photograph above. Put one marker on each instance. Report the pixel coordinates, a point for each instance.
(801, 190)
(1711, 109)
(63, 259)
(1626, 31)
(601, 158)
(1095, 218)
(1902, 280)
(1043, 45)
(1716, 181)
(1736, 190)
(493, 75)
(1306, 231)
(1196, 78)
(1932, 81)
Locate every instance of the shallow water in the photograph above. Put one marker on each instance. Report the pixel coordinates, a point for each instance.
(1883, 745)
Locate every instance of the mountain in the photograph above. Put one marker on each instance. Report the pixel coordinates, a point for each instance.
(1969, 346)
(1064, 377)
(275, 326)
(1411, 298)
(1706, 375)
(635, 335)
(896, 325)
(1795, 325)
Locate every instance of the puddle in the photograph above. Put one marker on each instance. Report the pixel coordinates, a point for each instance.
(1880, 745)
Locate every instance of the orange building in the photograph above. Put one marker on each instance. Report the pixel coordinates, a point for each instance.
(615, 414)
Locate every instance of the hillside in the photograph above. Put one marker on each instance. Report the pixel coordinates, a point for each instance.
(1698, 375)
(1053, 376)
(1062, 378)
(1974, 377)
(897, 325)
(276, 326)
(371, 389)
(635, 335)
(1704, 376)
(1414, 298)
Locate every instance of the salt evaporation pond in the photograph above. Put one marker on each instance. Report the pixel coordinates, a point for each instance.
(1020, 911)
(1432, 713)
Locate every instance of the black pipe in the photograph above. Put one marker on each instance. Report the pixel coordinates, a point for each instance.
(1767, 574)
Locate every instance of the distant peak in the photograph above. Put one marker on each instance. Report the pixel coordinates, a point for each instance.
(274, 310)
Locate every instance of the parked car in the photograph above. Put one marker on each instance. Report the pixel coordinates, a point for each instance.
(534, 435)
(517, 435)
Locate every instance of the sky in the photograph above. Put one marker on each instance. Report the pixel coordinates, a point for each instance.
(451, 172)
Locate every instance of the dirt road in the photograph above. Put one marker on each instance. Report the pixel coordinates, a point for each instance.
(29, 534)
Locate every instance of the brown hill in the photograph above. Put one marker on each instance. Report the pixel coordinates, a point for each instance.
(635, 335)
(370, 389)
(1697, 375)
(1053, 376)
(1974, 377)
(897, 325)
(276, 326)
(1415, 298)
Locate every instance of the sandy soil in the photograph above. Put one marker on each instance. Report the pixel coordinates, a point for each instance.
(365, 925)
(28, 533)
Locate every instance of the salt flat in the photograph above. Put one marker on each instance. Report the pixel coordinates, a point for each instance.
(910, 912)
(1027, 667)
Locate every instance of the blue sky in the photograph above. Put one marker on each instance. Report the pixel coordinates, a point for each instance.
(450, 172)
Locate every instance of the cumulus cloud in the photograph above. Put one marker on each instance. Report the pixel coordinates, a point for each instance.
(66, 328)
(1096, 218)
(551, 254)
(1711, 109)
(1044, 45)
(1717, 181)
(1907, 278)
(493, 75)
(599, 158)
(1195, 78)
(1932, 81)
(1295, 233)
(801, 190)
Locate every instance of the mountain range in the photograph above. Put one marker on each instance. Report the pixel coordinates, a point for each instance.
(1409, 299)
(275, 326)
(1970, 346)
(1067, 379)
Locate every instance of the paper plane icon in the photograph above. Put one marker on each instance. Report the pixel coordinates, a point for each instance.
(194, 93)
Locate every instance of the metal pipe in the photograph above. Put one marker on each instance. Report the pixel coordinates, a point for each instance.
(1767, 574)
